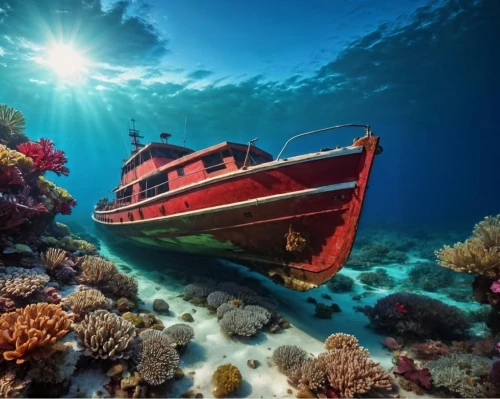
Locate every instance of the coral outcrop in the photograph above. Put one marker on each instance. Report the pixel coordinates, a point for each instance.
(156, 359)
(16, 282)
(105, 335)
(30, 332)
(289, 358)
(179, 334)
(85, 301)
(416, 316)
(227, 379)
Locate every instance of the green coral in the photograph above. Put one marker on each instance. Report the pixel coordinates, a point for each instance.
(227, 379)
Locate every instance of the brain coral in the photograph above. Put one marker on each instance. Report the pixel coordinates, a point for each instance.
(227, 379)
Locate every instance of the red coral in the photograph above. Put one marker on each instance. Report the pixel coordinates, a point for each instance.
(45, 156)
(16, 209)
(10, 176)
(409, 370)
(64, 208)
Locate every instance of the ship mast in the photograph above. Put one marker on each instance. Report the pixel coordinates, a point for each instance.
(134, 134)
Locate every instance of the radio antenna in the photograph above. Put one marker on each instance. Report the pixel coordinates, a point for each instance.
(185, 124)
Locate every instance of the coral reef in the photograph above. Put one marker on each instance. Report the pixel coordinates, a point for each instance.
(156, 359)
(16, 282)
(179, 334)
(415, 316)
(84, 301)
(352, 373)
(341, 340)
(12, 126)
(105, 335)
(56, 368)
(217, 298)
(407, 368)
(340, 283)
(227, 379)
(198, 290)
(378, 278)
(464, 375)
(245, 321)
(30, 332)
(289, 358)
(12, 383)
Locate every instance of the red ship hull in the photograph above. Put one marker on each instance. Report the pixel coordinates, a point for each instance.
(245, 216)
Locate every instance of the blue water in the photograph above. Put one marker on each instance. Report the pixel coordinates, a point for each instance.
(423, 74)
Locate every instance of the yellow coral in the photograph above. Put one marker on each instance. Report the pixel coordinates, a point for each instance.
(479, 254)
(341, 340)
(30, 332)
(85, 301)
(53, 257)
(227, 379)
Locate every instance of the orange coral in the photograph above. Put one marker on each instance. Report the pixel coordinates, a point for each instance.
(30, 332)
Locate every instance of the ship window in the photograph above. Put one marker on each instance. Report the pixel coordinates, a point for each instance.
(213, 162)
(170, 153)
(145, 155)
(154, 185)
(226, 154)
(137, 161)
(253, 158)
(180, 171)
(124, 194)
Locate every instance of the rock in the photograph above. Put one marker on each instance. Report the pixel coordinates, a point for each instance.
(193, 310)
(131, 382)
(188, 394)
(311, 300)
(160, 305)
(187, 317)
(286, 325)
(191, 374)
(356, 297)
(198, 395)
(117, 369)
(157, 288)
(124, 305)
(158, 326)
(196, 301)
(335, 308)
(273, 328)
(178, 374)
(253, 364)
(326, 296)
(289, 391)
(136, 320)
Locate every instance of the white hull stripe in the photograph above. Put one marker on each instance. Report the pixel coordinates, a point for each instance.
(242, 204)
(239, 173)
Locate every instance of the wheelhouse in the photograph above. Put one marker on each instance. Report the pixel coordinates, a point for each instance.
(159, 167)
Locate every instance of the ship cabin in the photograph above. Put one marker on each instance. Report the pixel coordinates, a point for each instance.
(160, 167)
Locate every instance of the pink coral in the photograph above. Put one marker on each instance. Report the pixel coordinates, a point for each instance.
(409, 370)
(495, 287)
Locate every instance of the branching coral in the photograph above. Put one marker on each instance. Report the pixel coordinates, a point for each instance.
(105, 335)
(224, 308)
(245, 322)
(12, 385)
(340, 283)
(45, 156)
(350, 373)
(30, 332)
(480, 254)
(96, 271)
(310, 375)
(341, 340)
(58, 367)
(16, 282)
(85, 301)
(180, 334)
(462, 374)
(156, 359)
(53, 257)
(417, 316)
(57, 199)
(227, 379)
(289, 358)
(121, 285)
(217, 298)
(198, 290)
